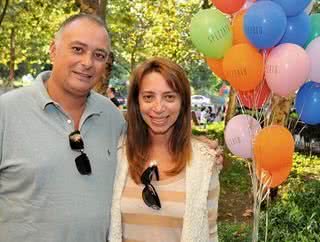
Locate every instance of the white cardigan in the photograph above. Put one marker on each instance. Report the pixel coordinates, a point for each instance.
(198, 175)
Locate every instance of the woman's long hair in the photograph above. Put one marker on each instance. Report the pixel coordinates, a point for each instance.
(138, 140)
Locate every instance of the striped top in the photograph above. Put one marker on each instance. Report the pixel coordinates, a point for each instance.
(142, 223)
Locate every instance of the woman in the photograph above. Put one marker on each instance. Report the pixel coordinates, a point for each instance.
(167, 185)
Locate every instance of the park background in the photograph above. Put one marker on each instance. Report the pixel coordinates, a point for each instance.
(140, 29)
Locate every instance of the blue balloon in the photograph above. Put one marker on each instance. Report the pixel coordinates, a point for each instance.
(308, 103)
(298, 30)
(264, 24)
(293, 7)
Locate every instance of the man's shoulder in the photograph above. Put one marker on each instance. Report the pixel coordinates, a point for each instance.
(16, 95)
(101, 100)
(104, 104)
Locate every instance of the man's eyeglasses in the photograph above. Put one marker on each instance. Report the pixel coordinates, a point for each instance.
(149, 194)
(82, 161)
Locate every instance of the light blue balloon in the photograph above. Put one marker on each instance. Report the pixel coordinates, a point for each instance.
(293, 7)
(308, 103)
(264, 24)
(298, 30)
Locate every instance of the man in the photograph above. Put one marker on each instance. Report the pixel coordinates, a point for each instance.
(58, 142)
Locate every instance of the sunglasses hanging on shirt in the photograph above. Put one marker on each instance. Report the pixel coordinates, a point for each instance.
(82, 161)
(149, 193)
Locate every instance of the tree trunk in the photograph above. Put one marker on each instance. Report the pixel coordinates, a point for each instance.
(4, 10)
(280, 110)
(232, 103)
(12, 55)
(98, 8)
(95, 7)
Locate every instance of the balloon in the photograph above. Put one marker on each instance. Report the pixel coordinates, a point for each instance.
(239, 133)
(315, 27)
(293, 7)
(243, 67)
(239, 36)
(247, 5)
(210, 32)
(216, 66)
(255, 98)
(273, 178)
(287, 68)
(228, 6)
(313, 51)
(298, 30)
(273, 148)
(264, 24)
(308, 102)
(308, 9)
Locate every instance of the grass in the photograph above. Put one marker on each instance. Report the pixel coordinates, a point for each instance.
(234, 232)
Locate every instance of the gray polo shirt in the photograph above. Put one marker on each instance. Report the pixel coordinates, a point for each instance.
(43, 197)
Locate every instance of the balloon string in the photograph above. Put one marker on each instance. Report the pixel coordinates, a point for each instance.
(267, 216)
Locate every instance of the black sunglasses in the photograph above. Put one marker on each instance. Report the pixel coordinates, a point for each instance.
(149, 194)
(82, 161)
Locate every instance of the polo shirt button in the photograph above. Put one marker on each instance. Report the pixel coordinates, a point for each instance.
(69, 121)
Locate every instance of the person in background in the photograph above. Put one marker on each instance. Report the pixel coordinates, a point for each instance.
(210, 114)
(111, 93)
(167, 182)
(58, 143)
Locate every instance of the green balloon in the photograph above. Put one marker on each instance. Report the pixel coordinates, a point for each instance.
(315, 27)
(210, 32)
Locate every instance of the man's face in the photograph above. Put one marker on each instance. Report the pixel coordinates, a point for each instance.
(79, 56)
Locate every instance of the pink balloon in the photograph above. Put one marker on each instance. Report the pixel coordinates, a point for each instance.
(239, 134)
(287, 68)
(313, 51)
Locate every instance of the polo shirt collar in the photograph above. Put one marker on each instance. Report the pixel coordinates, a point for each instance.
(44, 99)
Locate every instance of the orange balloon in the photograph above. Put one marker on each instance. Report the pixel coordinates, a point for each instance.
(273, 178)
(243, 67)
(216, 66)
(273, 148)
(239, 36)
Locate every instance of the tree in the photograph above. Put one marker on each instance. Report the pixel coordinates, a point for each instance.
(3, 13)
(27, 30)
(95, 7)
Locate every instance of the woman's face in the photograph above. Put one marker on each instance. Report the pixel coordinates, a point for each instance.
(159, 104)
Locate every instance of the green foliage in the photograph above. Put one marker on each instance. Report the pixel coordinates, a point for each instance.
(235, 176)
(34, 23)
(295, 216)
(142, 29)
(233, 232)
(212, 131)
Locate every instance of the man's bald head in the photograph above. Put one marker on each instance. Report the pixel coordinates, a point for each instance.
(73, 18)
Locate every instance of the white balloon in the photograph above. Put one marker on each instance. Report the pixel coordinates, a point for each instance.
(313, 51)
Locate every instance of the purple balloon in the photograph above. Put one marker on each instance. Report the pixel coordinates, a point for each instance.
(239, 134)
